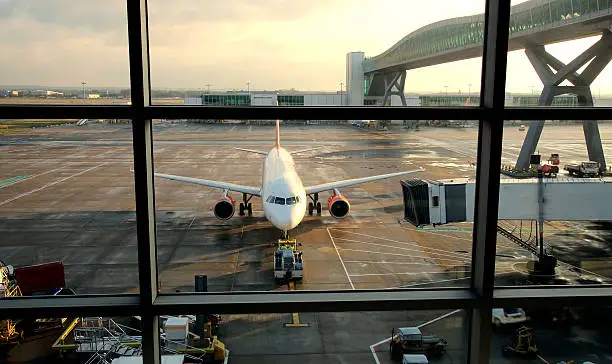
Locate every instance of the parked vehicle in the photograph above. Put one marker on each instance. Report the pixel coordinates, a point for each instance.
(505, 316)
(410, 340)
(584, 169)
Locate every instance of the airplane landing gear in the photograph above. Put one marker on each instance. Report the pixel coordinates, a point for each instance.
(314, 205)
(246, 205)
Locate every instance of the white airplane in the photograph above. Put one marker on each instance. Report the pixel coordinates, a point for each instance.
(282, 191)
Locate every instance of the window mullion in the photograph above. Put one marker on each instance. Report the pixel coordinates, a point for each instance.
(490, 132)
(143, 176)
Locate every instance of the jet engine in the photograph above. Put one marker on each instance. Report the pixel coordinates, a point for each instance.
(338, 206)
(224, 208)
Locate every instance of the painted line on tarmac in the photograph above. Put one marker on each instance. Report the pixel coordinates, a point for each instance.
(50, 184)
(445, 254)
(10, 181)
(383, 262)
(405, 273)
(397, 254)
(30, 176)
(402, 242)
(431, 282)
(339, 257)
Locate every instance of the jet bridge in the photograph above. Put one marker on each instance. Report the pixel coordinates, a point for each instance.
(452, 200)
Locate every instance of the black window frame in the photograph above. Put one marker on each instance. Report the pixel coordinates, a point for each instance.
(478, 299)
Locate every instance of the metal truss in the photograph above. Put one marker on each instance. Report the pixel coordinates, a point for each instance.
(599, 55)
(477, 300)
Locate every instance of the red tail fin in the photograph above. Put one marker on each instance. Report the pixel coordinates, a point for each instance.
(278, 133)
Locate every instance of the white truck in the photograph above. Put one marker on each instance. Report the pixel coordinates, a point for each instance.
(584, 169)
(288, 263)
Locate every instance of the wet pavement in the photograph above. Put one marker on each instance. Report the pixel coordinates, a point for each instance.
(76, 205)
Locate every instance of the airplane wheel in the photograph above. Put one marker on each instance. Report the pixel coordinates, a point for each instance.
(250, 209)
(310, 208)
(318, 208)
(241, 212)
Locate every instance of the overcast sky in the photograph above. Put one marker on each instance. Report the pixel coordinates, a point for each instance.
(273, 44)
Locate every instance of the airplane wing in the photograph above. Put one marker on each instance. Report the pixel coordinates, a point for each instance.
(356, 181)
(252, 151)
(304, 150)
(255, 191)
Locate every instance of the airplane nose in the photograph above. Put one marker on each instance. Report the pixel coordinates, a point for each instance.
(286, 221)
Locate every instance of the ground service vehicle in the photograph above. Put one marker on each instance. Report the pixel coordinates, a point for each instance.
(288, 263)
(523, 343)
(415, 359)
(584, 169)
(503, 316)
(410, 340)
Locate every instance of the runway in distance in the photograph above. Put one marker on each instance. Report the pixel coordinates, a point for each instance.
(282, 192)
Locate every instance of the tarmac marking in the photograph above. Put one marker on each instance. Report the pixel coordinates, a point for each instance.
(404, 242)
(401, 255)
(32, 176)
(10, 181)
(432, 282)
(339, 257)
(446, 254)
(295, 317)
(51, 184)
(405, 273)
(383, 262)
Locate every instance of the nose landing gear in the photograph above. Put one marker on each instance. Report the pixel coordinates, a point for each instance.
(246, 205)
(314, 205)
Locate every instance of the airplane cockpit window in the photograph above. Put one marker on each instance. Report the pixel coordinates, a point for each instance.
(270, 199)
(297, 199)
(291, 201)
(279, 201)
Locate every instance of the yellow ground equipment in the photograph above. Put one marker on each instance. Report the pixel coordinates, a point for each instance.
(9, 288)
(523, 343)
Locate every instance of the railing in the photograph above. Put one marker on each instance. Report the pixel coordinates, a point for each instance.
(450, 34)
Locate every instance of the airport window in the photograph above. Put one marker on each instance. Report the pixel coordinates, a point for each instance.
(93, 189)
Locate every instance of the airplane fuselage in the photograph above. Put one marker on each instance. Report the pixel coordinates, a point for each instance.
(282, 193)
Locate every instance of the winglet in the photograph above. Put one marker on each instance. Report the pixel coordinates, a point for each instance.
(278, 133)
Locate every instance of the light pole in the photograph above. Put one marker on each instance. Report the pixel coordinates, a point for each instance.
(469, 88)
(248, 87)
(207, 88)
(83, 83)
(341, 97)
(446, 87)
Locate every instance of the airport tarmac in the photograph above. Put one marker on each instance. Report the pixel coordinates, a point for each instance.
(67, 194)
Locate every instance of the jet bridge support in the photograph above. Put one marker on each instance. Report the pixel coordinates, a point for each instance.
(599, 55)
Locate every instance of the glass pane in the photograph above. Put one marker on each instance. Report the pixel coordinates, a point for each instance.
(560, 335)
(67, 213)
(373, 235)
(71, 340)
(67, 52)
(557, 36)
(554, 230)
(320, 337)
(233, 54)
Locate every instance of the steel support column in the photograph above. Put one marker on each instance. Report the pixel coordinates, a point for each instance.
(143, 176)
(599, 55)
